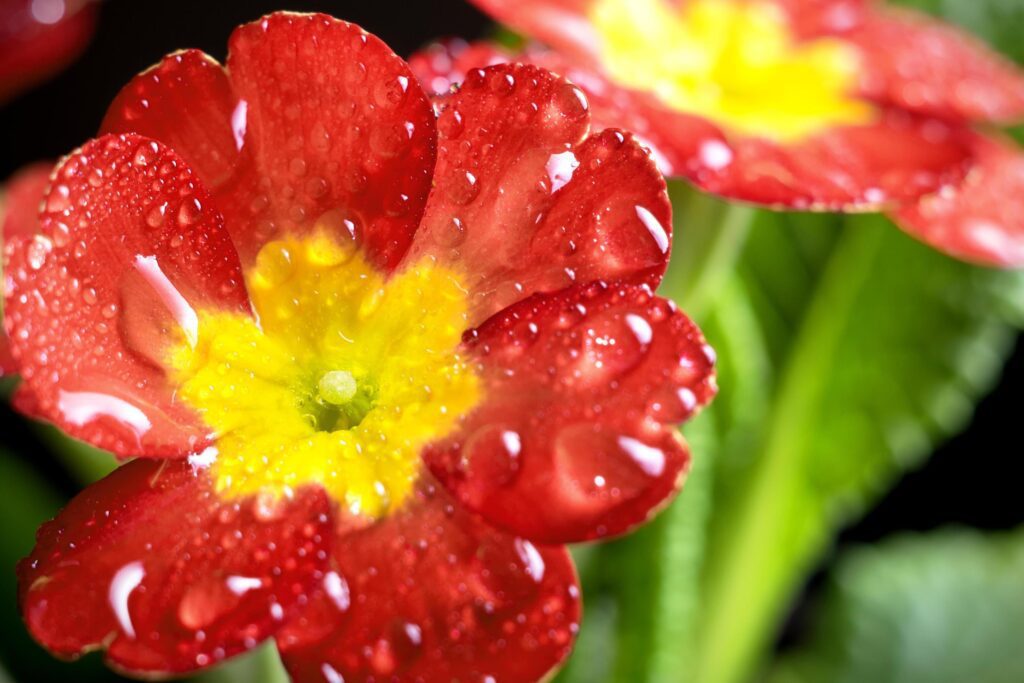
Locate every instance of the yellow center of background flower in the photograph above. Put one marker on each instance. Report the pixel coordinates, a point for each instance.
(340, 380)
(731, 61)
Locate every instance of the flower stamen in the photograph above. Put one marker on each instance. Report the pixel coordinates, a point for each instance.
(337, 387)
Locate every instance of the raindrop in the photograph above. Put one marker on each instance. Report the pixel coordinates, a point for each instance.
(571, 101)
(155, 216)
(450, 233)
(450, 123)
(389, 93)
(37, 251)
(189, 212)
(599, 469)
(462, 187)
(491, 457)
(58, 200)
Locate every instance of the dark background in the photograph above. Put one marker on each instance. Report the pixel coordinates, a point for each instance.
(972, 480)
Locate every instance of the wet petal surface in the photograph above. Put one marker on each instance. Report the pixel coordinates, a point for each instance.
(154, 567)
(926, 66)
(315, 125)
(185, 102)
(336, 137)
(525, 201)
(432, 593)
(576, 438)
(982, 218)
(895, 158)
(128, 248)
(20, 198)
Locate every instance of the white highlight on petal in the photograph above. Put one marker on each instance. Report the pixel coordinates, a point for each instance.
(512, 442)
(82, 407)
(240, 585)
(239, 121)
(531, 558)
(337, 590)
(640, 327)
(331, 674)
(715, 154)
(650, 459)
(560, 168)
(124, 582)
(170, 297)
(415, 633)
(654, 227)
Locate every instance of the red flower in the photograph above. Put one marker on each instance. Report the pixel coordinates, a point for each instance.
(288, 287)
(824, 104)
(39, 38)
(19, 217)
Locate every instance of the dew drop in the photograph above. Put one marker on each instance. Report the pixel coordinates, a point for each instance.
(389, 93)
(37, 251)
(145, 154)
(501, 83)
(462, 187)
(189, 212)
(156, 214)
(450, 123)
(571, 101)
(599, 469)
(491, 458)
(319, 138)
(450, 233)
(206, 601)
(58, 200)
(390, 140)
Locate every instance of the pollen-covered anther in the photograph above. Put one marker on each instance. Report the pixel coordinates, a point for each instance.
(337, 387)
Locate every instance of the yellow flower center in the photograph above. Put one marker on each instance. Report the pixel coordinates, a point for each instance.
(735, 62)
(340, 380)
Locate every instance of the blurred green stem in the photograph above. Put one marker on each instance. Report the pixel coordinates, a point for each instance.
(745, 587)
(709, 235)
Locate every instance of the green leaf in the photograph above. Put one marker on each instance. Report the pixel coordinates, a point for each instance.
(878, 349)
(942, 608)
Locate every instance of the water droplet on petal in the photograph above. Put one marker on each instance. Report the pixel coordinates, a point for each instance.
(156, 214)
(571, 101)
(450, 123)
(462, 186)
(491, 460)
(189, 212)
(599, 469)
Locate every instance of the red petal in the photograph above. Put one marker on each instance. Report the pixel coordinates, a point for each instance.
(926, 66)
(186, 103)
(566, 25)
(337, 135)
(127, 250)
(853, 168)
(21, 199)
(525, 202)
(816, 18)
(674, 138)
(576, 437)
(434, 594)
(897, 158)
(32, 47)
(982, 219)
(153, 566)
(563, 24)
(19, 217)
